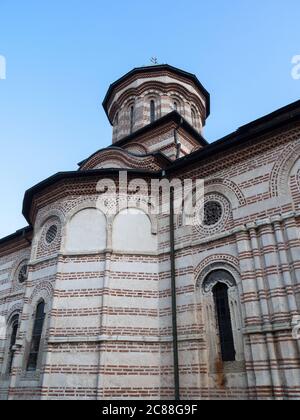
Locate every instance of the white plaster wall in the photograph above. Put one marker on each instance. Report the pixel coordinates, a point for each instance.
(132, 232)
(86, 231)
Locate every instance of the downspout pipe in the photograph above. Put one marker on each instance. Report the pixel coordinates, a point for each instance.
(174, 298)
(177, 143)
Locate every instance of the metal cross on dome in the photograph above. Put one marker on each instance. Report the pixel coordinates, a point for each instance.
(154, 60)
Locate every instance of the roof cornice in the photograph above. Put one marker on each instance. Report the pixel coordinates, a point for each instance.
(24, 233)
(157, 154)
(76, 175)
(173, 116)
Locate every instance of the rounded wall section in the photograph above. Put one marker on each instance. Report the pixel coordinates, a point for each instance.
(143, 99)
(132, 232)
(86, 232)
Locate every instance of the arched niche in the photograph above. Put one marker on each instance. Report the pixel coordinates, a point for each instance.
(86, 231)
(132, 232)
(281, 172)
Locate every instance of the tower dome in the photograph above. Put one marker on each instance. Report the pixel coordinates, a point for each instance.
(146, 94)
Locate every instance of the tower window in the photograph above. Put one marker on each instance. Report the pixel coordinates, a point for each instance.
(131, 119)
(194, 118)
(152, 111)
(220, 292)
(175, 106)
(36, 337)
(13, 338)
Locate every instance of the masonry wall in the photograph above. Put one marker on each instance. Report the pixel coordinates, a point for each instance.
(259, 239)
(108, 332)
(12, 295)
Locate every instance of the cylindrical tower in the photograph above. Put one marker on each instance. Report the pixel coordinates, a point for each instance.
(146, 94)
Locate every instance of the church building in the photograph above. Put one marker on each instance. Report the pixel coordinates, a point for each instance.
(97, 304)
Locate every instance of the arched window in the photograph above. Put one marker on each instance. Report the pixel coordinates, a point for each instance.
(14, 325)
(36, 337)
(220, 293)
(131, 118)
(175, 106)
(194, 118)
(51, 234)
(152, 111)
(117, 119)
(223, 313)
(116, 126)
(22, 272)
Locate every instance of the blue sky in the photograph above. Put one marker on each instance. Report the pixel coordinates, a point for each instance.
(62, 55)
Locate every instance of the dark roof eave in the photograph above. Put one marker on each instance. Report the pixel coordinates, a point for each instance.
(21, 233)
(173, 116)
(61, 176)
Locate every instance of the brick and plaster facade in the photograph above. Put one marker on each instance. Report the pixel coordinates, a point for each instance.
(105, 280)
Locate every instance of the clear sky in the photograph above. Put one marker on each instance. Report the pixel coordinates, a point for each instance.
(62, 55)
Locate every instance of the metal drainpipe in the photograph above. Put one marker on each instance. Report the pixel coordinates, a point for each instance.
(174, 300)
(177, 143)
